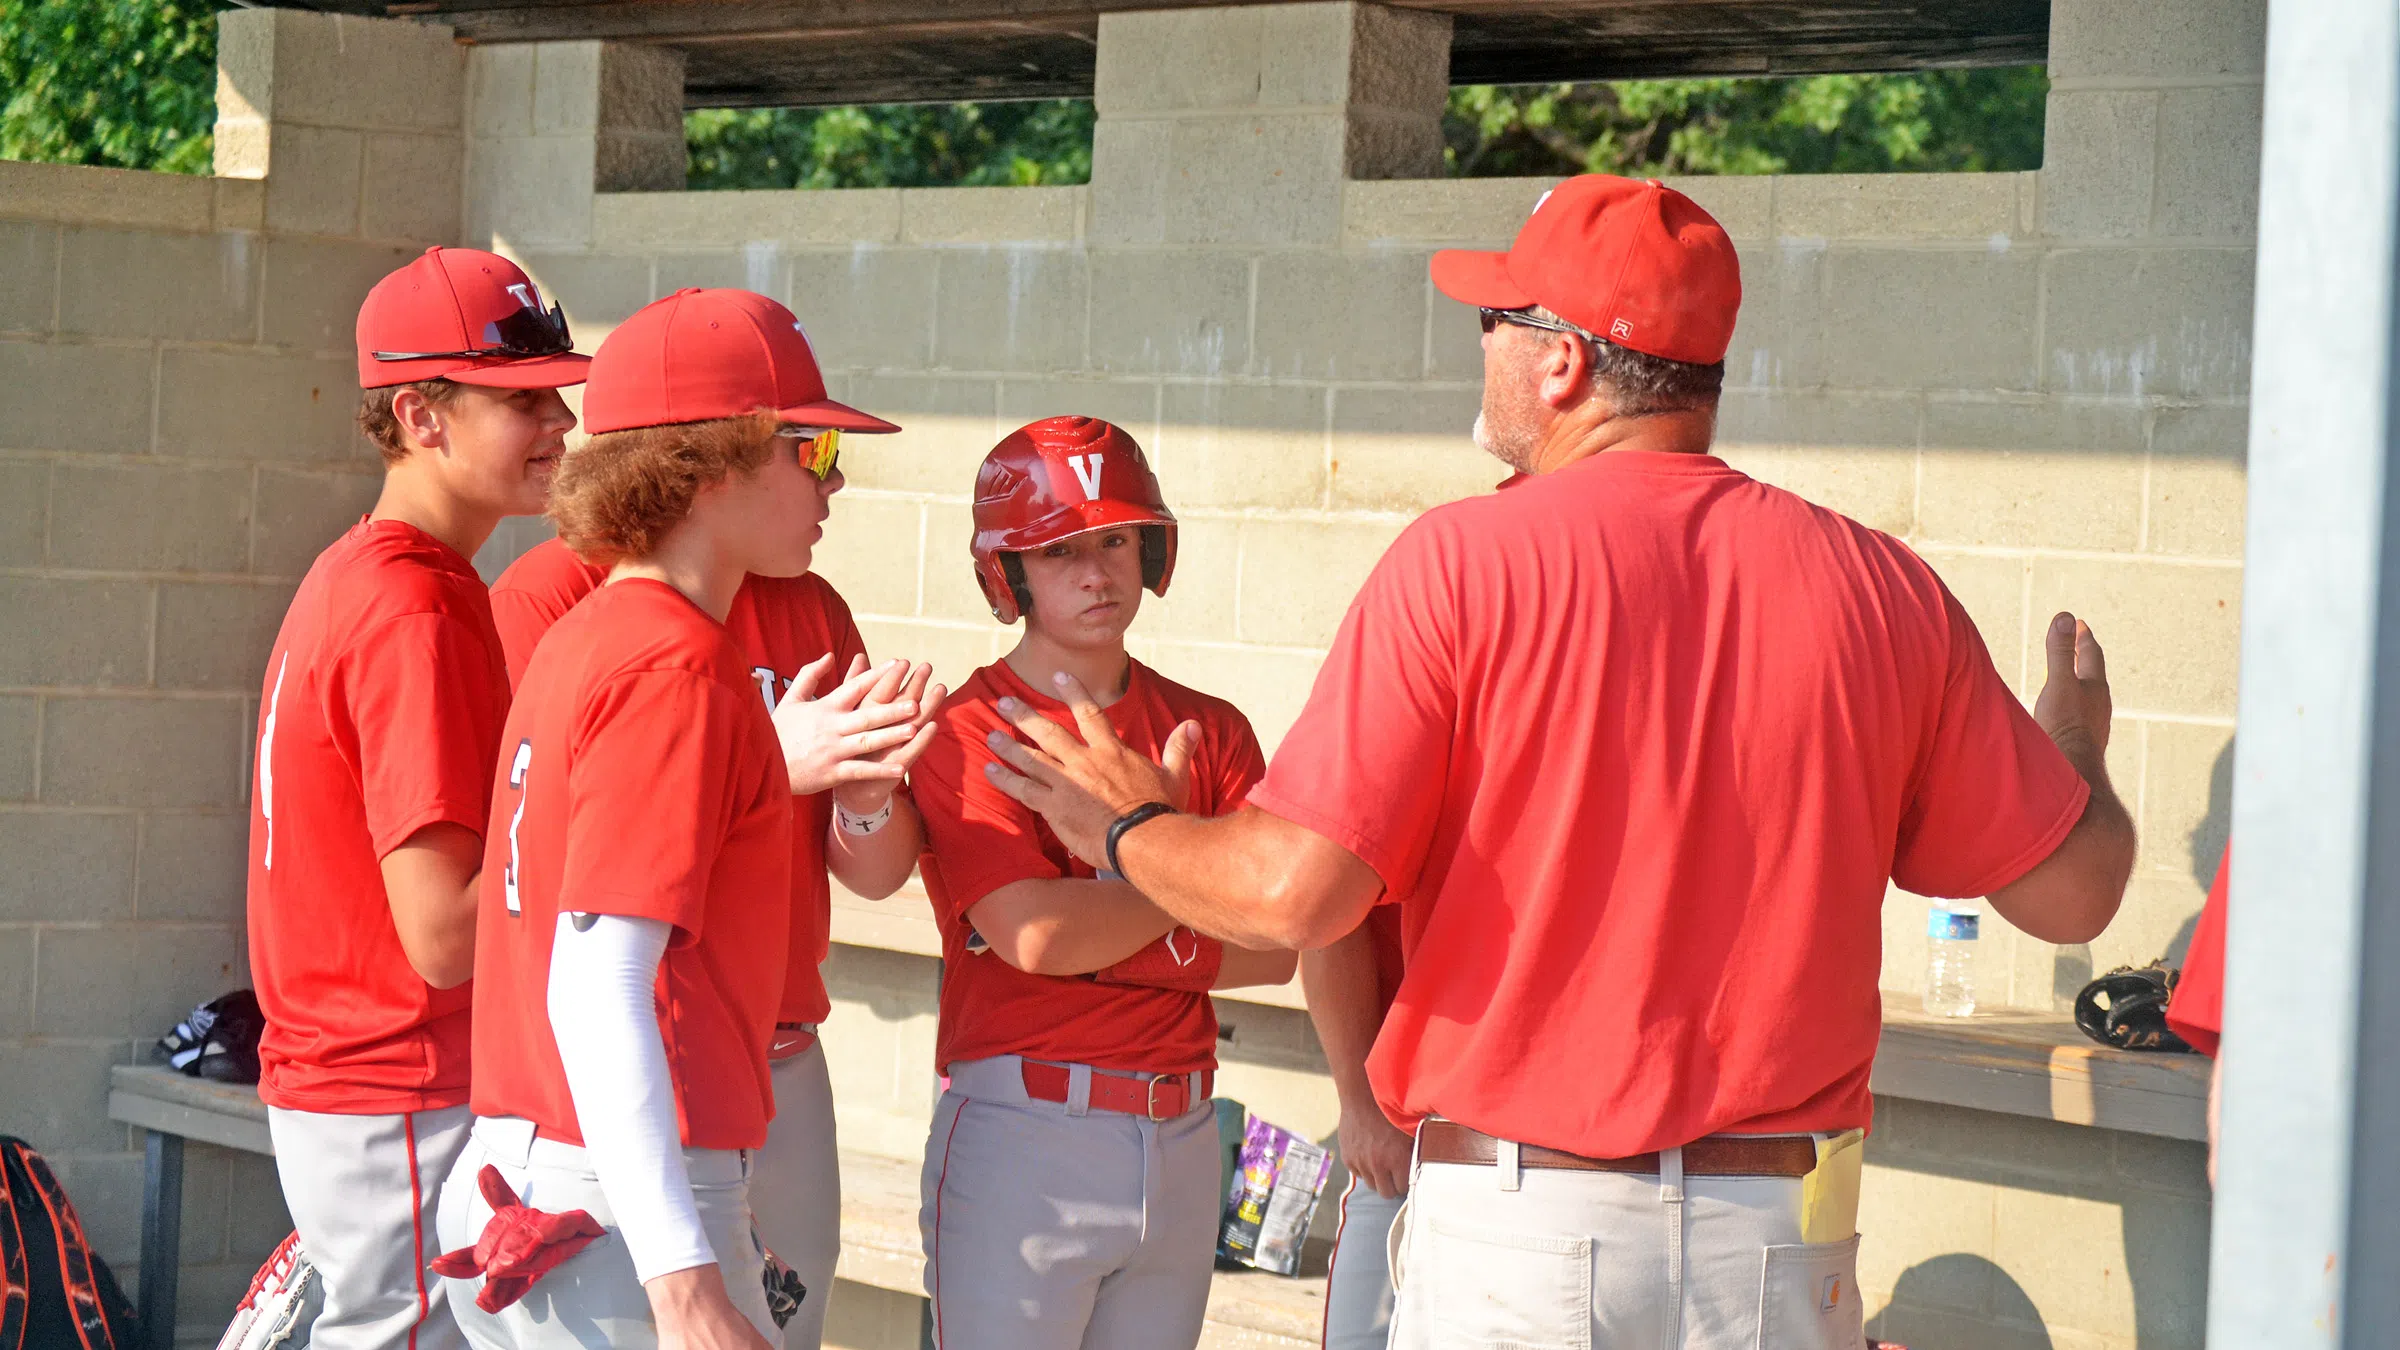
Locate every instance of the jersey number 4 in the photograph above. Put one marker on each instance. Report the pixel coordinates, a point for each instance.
(516, 780)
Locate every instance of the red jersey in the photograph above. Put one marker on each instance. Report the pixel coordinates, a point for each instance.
(979, 839)
(380, 716)
(780, 624)
(1636, 745)
(2197, 1011)
(639, 776)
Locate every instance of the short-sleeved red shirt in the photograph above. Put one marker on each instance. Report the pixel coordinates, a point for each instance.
(639, 776)
(380, 716)
(781, 624)
(1636, 745)
(2197, 1011)
(979, 839)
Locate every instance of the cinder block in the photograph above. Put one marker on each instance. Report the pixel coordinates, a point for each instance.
(312, 289)
(129, 982)
(950, 591)
(756, 267)
(1847, 453)
(870, 552)
(2199, 480)
(2208, 157)
(1129, 180)
(947, 427)
(24, 510)
(2187, 799)
(242, 147)
(298, 514)
(1920, 319)
(2142, 322)
(1341, 316)
(955, 652)
(1992, 591)
(640, 161)
(381, 74)
(1398, 59)
(1453, 339)
(500, 89)
(1910, 1215)
(641, 89)
(1273, 179)
(241, 204)
(2098, 163)
(636, 221)
(1297, 582)
(1473, 212)
(20, 738)
(530, 193)
(1270, 687)
(1201, 597)
(1779, 337)
(2147, 39)
(1131, 404)
(566, 88)
(89, 195)
(992, 215)
(216, 636)
(194, 867)
(1407, 449)
(205, 1184)
(598, 290)
(129, 284)
(16, 982)
(2172, 631)
(107, 1194)
(81, 634)
(1229, 445)
(58, 1095)
(216, 404)
(256, 1218)
(29, 259)
(2032, 475)
(2176, 1166)
(1896, 205)
(1176, 314)
(162, 517)
(1178, 60)
(1009, 309)
(315, 185)
(411, 188)
(75, 397)
(2068, 1254)
(143, 752)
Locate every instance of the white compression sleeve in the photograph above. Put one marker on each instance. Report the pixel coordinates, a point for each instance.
(604, 1014)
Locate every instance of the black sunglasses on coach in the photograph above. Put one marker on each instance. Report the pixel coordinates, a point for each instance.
(525, 333)
(1526, 318)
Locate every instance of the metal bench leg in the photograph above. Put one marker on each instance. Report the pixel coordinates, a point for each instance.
(162, 1236)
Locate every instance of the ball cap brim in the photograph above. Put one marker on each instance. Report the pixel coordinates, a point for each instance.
(1478, 277)
(825, 412)
(540, 372)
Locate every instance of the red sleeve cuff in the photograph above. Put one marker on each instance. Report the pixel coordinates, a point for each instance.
(444, 811)
(1369, 850)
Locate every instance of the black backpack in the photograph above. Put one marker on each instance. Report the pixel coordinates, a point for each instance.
(55, 1294)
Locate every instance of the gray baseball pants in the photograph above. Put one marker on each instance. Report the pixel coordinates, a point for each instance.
(362, 1190)
(1358, 1290)
(796, 1188)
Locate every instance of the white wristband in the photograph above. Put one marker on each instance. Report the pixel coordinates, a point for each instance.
(854, 824)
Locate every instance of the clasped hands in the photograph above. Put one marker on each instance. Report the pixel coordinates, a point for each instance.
(860, 738)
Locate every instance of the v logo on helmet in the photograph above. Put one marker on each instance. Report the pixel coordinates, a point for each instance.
(1087, 472)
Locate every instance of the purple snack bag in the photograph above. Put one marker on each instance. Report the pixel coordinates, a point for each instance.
(1276, 1185)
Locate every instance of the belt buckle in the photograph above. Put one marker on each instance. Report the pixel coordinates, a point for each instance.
(1150, 1104)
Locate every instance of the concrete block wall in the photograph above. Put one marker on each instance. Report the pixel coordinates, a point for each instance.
(176, 445)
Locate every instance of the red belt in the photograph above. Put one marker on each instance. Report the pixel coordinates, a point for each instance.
(1161, 1098)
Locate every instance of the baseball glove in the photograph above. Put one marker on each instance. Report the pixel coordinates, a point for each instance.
(2127, 1009)
(282, 1305)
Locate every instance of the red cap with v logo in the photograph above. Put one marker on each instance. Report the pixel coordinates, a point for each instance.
(699, 355)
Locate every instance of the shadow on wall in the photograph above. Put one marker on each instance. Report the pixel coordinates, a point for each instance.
(2013, 1322)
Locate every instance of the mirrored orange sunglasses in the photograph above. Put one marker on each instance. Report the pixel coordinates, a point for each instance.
(822, 451)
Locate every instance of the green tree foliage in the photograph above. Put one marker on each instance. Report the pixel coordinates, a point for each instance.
(1933, 121)
(129, 83)
(892, 145)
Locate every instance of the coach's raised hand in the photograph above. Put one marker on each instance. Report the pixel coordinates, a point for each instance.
(1080, 785)
(850, 735)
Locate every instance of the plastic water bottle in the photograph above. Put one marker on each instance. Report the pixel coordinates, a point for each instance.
(1950, 932)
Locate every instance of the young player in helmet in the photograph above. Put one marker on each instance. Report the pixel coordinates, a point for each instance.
(1071, 1177)
(634, 925)
(378, 723)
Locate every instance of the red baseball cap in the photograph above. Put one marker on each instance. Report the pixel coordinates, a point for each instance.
(1631, 261)
(703, 354)
(464, 315)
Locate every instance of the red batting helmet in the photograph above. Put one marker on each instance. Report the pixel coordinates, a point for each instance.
(1052, 480)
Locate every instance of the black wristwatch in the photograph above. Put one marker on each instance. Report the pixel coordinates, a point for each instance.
(1118, 827)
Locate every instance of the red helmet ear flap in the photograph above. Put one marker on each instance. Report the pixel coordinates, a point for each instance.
(997, 592)
(1158, 558)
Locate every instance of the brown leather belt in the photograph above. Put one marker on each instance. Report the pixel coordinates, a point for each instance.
(1718, 1155)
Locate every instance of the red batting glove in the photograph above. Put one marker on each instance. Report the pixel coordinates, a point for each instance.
(518, 1246)
(1182, 960)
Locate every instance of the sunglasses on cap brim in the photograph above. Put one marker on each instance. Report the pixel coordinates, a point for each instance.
(523, 334)
(822, 451)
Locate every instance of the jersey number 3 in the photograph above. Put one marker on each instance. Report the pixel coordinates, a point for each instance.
(516, 780)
